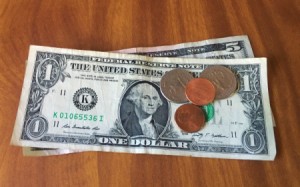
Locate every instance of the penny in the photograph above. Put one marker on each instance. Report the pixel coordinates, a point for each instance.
(173, 83)
(223, 79)
(200, 91)
(190, 118)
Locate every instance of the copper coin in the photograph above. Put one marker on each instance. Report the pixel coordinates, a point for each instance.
(223, 79)
(190, 118)
(200, 91)
(173, 83)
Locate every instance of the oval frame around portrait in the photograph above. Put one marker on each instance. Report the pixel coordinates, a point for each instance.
(161, 116)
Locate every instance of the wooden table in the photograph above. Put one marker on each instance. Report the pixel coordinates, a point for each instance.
(273, 29)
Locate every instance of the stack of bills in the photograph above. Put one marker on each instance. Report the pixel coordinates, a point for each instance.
(75, 100)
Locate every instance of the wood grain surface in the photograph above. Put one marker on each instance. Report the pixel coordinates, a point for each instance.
(104, 25)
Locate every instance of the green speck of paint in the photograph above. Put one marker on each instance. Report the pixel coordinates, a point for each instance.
(209, 111)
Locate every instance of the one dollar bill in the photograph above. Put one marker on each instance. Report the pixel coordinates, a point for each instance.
(220, 48)
(87, 100)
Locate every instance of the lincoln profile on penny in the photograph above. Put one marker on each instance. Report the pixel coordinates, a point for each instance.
(146, 100)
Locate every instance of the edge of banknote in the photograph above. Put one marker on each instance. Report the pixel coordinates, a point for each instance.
(170, 50)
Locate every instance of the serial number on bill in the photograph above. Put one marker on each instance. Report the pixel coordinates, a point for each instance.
(76, 116)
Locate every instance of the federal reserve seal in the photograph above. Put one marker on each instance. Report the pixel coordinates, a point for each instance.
(85, 99)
